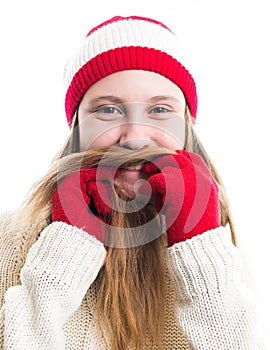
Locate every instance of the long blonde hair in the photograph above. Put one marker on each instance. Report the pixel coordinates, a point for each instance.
(131, 291)
(69, 159)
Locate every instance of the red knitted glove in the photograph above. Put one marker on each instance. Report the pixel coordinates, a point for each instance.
(185, 192)
(82, 200)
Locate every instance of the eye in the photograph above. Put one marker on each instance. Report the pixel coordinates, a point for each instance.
(108, 110)
(160, 113)
(108, 113)
(159, 109)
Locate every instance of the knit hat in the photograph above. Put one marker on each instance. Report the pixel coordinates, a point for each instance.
(126, 43)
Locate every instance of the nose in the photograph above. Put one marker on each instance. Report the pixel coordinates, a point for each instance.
(136, 136)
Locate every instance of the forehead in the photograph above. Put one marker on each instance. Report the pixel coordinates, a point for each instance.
(134, 85)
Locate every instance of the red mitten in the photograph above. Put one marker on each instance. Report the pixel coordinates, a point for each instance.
(185, 192)
(81, 194)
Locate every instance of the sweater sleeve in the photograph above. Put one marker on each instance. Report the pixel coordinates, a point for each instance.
(213, 307)
(60, 267)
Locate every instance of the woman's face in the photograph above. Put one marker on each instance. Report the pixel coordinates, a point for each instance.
(132, 109)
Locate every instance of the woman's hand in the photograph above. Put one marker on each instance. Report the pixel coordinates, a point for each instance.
(82, 200)
(186, 192)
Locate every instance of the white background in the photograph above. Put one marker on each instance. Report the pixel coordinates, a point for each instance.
(227, 45)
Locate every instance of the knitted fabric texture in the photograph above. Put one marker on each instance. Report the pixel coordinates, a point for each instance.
(126, 43)
(49, 282)
(183, 185)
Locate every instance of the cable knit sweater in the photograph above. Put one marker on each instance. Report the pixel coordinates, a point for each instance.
(48, 288)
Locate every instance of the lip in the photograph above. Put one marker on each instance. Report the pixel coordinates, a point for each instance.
(128, 176)
(137, 167)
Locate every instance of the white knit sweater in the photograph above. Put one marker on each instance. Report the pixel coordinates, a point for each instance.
(48, 292)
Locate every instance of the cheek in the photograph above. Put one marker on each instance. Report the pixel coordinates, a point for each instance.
(94, 135)
(172, 134)
(102, 141)
(169, 141)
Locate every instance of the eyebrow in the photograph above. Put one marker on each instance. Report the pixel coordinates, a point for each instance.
(116, 99)
(164, 98)
(111, 98)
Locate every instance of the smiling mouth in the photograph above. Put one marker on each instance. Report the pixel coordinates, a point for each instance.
(137, 167)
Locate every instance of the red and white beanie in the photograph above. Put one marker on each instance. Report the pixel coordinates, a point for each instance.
(126, 43)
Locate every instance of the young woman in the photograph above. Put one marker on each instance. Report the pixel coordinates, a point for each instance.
(127, 241)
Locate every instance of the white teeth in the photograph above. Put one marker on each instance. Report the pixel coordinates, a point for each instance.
(134, 167)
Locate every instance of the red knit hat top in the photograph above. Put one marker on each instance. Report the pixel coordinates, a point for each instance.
(126, 43)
